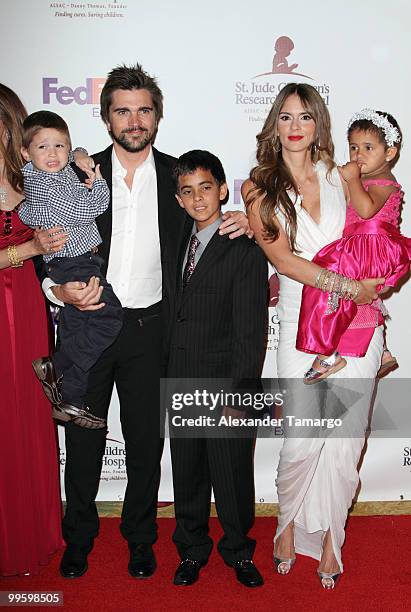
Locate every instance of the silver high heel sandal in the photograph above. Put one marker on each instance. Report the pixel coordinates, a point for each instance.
(283, 565)
(333, 363)
(328, 579)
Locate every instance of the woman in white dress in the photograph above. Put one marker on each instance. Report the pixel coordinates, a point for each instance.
(296, 205)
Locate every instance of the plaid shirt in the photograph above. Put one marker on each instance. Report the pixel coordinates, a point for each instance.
(59, 198)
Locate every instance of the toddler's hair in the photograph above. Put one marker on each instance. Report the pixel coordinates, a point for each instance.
(41, 120)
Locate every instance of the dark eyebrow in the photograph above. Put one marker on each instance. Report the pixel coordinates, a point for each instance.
(202, 183)
(126, 108)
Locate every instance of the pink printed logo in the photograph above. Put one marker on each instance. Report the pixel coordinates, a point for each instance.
(84, 94)
(282, 49)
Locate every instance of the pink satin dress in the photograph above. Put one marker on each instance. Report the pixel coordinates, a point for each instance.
(369, 248)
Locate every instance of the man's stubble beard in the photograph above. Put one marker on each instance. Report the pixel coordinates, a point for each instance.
(133, 146)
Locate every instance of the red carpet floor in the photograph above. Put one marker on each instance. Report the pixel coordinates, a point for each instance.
(377, 575)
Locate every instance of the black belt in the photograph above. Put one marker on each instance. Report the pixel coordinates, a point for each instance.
(143, 315)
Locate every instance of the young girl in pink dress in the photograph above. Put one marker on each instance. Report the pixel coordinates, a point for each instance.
(371, 247)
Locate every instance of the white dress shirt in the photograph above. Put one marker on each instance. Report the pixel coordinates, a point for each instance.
(134, 268)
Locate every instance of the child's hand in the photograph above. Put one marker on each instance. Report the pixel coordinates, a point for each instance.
(83, 161)
(97, 171)
(91, 177)
(350, 171)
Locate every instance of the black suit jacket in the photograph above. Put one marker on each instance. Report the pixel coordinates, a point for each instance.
(170, 219)
(170, 216)
(218, 324)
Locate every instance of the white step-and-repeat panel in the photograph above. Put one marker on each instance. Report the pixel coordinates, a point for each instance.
(220, 66)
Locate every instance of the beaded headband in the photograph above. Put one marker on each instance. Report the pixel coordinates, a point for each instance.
(391, 134)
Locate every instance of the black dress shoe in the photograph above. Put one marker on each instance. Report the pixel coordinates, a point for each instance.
(247, 573)
(187, 572)
(74, 561)
(142, 561)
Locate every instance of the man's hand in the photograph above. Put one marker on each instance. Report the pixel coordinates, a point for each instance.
(369, 290)
(235, 223)
(81, 295)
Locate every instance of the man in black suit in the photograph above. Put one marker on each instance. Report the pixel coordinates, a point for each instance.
(140, 232)
(217, 331)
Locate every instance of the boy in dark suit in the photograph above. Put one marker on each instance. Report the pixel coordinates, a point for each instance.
(218, 330)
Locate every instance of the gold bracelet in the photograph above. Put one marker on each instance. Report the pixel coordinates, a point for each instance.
(14, 259)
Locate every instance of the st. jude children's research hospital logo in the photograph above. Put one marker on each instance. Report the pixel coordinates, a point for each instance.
(258, 94)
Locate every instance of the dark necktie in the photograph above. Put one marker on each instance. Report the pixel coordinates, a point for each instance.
(190, 265)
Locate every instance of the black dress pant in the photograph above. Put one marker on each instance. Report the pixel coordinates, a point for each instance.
(226, 465)
(83, 334)
(132, 362)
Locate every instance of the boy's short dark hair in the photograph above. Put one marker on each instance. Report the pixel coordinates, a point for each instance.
(40, 120)
(129, 78)
(191, 161)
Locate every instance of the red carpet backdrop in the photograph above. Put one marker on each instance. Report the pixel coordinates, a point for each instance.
(220, 66)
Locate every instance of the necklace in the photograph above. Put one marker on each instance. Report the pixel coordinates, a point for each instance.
(3, 195)
(6, 214)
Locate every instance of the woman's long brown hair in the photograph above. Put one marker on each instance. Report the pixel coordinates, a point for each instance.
(272, 178)
(12, 115)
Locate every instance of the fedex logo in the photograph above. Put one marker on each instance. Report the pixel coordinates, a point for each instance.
(85, 94)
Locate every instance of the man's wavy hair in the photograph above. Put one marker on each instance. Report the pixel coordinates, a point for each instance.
(272, 178)
(129, 78)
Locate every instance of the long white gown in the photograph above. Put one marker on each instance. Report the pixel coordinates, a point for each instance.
(318, 476)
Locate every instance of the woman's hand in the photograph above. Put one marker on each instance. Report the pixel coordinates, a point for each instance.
(235, 223)
(49, 241)
(368, 290)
